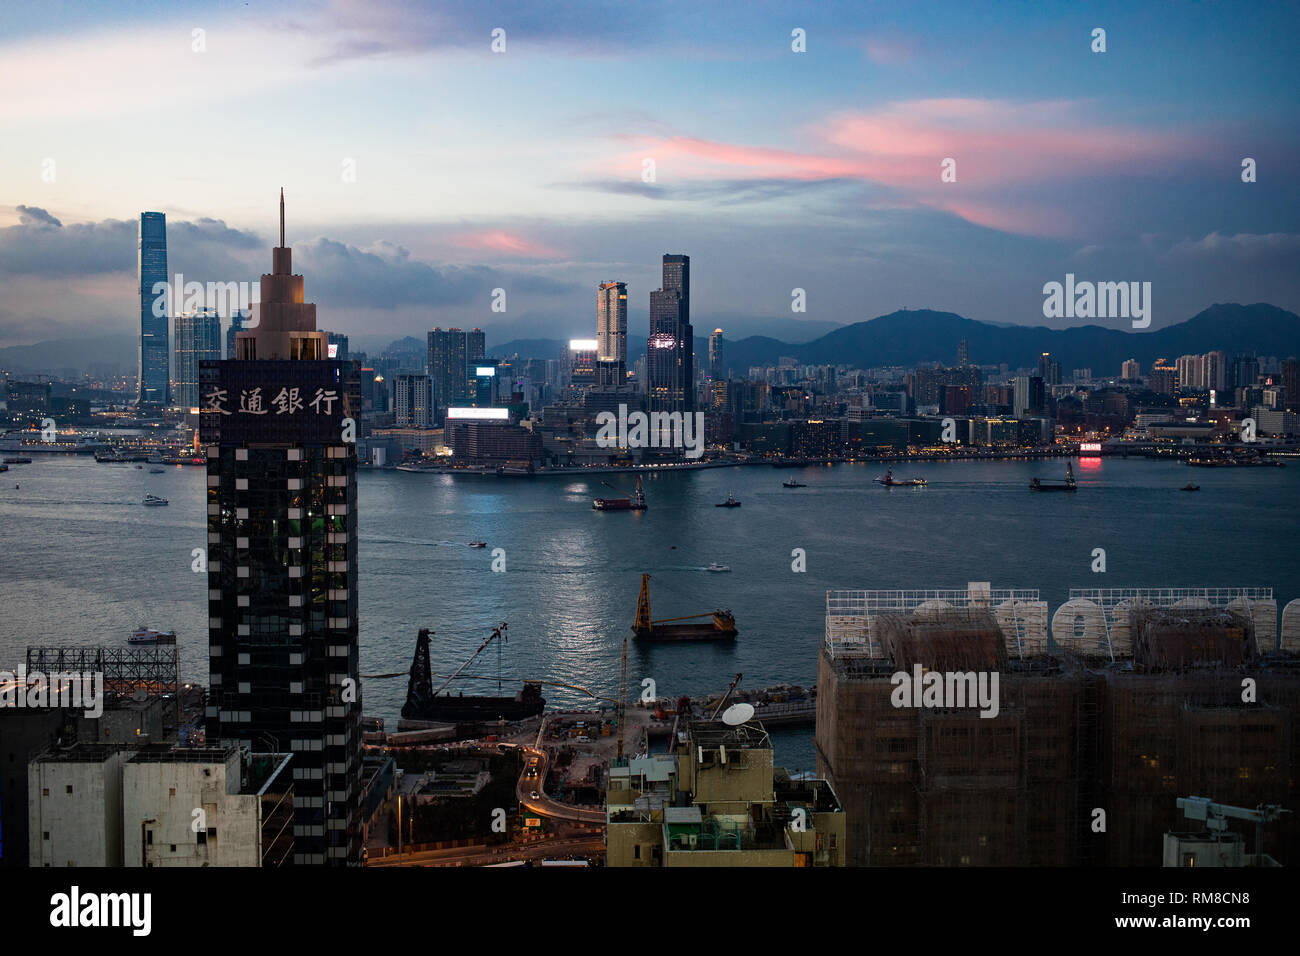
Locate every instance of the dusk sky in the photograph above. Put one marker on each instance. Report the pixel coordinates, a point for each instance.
(524, 169)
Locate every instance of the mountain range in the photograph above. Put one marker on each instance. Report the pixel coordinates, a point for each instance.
(906, 338)
(920, 336)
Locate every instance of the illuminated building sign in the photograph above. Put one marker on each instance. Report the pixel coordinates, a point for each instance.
(334, 350)
(481, 414)
(582, 345)
(485, 370)
(1090, 448)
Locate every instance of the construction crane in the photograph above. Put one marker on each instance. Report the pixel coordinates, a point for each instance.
(622, 702)
(498, 634)
(725, 696)
(1215, 816)
(721, 627)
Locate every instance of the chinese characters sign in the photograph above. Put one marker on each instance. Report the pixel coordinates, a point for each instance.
(274, 401)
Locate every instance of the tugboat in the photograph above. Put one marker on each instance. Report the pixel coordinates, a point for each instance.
(153, 501)
(1049, 484)
(1190, 487)
(155, 470)
(889, 481)
(793, 484)
(731, 502)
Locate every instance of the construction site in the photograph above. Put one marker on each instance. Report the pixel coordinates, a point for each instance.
(1139, 698)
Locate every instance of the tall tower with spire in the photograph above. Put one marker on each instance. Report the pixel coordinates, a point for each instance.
(283, 325)
(278, 425)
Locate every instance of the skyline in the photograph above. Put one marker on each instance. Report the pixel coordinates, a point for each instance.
(523, 169)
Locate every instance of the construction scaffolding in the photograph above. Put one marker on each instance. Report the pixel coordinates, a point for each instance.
(1155, 693)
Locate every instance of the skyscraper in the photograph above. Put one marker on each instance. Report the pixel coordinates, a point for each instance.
(449, 352)
(154, 359)
(715, 356)
(198, 339)
(282, 559)
(670, 372)
(611, 332)
(238, 319)
(412, 401)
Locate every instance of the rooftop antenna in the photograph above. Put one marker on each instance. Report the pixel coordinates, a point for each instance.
(281, 217)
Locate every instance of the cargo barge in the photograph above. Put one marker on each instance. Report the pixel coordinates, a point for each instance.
(720, 626)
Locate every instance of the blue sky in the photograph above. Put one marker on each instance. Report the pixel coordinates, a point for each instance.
(524, 169)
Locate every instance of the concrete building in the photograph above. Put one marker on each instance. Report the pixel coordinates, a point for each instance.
(198, 339)
(723, 804)
(244, 805)
(74, 799)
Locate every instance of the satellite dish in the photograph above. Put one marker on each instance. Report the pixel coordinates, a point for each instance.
(139, 695)
(737, 714)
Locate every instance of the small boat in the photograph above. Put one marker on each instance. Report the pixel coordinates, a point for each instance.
(889, 481)
(154, 501)
(1190, 487)
(718, 567)
(731, 502)
(793, 484)
(139, 467)
(148, 636)
(478, 544)
(156, 471)
(17, 461)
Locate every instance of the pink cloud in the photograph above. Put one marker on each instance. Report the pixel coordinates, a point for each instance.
(996, 144)
(499, 240)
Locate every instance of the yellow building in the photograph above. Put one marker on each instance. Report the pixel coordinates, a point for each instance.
(723, 804)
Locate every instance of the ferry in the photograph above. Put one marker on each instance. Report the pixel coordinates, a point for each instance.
(153, 501)
(147, 637)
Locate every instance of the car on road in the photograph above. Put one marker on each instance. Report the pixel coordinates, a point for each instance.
(533, 795)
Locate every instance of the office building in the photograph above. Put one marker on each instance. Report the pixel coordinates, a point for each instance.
(670, 370)
(198, 339)
(451, 352)
(154, 357)
(282, 560)
(611, 333)
(413, 401)
(1029, 397)
(238, 322)
(338, 346)
(716, 371)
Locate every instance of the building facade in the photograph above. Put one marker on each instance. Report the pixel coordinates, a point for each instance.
(153, 358)
(198, 339)
(282, 560)
(670, 369)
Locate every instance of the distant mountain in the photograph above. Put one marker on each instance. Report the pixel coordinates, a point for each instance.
(918, 337)
(80, 354)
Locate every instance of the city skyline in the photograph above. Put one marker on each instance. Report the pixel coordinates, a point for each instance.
(1124, 165)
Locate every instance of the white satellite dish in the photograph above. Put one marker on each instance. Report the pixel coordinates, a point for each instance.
(737, 714)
